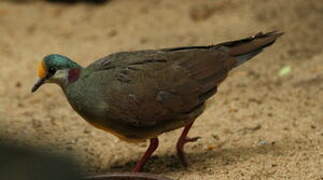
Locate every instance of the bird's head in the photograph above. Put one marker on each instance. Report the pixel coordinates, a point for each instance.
(54, 68)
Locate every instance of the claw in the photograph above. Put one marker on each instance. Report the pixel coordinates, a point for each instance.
(182, 141)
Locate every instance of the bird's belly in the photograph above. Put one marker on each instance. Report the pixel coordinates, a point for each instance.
(102, 119)
(98, 115)
(120, 136)
(94, 107)
(114, 127)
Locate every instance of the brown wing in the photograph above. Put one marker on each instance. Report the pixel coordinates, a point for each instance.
(149, 88)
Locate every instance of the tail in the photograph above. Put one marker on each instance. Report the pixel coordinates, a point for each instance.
(247, 48)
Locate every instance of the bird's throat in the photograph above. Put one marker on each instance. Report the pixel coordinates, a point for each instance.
(73, 75)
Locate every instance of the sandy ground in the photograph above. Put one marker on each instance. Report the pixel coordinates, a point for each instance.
(260, 125)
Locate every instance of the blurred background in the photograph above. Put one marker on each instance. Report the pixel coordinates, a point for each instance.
(266, 121)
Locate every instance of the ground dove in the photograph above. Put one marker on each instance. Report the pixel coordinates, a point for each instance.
(139, 95)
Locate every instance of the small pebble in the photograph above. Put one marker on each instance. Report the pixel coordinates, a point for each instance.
(18, 84)
(263, 142)
(216, 137)
(210, 147)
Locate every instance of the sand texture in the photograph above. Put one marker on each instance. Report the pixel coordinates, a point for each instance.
(266, 121)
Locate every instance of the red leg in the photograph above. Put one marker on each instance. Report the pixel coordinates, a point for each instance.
(183, 139)
(152, 147)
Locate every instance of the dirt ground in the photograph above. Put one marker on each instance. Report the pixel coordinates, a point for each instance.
(266, 121)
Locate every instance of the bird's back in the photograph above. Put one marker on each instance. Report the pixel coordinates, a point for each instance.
(141, 94)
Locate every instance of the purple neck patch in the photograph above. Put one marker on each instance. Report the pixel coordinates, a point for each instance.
(73, 74)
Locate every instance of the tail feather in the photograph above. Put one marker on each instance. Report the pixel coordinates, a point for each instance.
(245, 49)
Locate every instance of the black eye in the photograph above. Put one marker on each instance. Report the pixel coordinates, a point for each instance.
(52, 70)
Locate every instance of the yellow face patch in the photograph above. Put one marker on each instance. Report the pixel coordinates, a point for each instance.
(42, 70)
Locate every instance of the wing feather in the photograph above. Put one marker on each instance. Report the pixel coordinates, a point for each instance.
(147, 88)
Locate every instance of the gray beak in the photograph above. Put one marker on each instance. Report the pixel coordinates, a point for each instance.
(38, 84)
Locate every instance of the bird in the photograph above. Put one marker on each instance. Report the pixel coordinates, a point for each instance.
(139, 95)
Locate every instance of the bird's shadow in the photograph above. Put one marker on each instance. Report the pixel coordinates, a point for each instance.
(165, 163)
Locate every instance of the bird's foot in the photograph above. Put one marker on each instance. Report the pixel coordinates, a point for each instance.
(180, 148)
(193, 139)
(152, 147)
